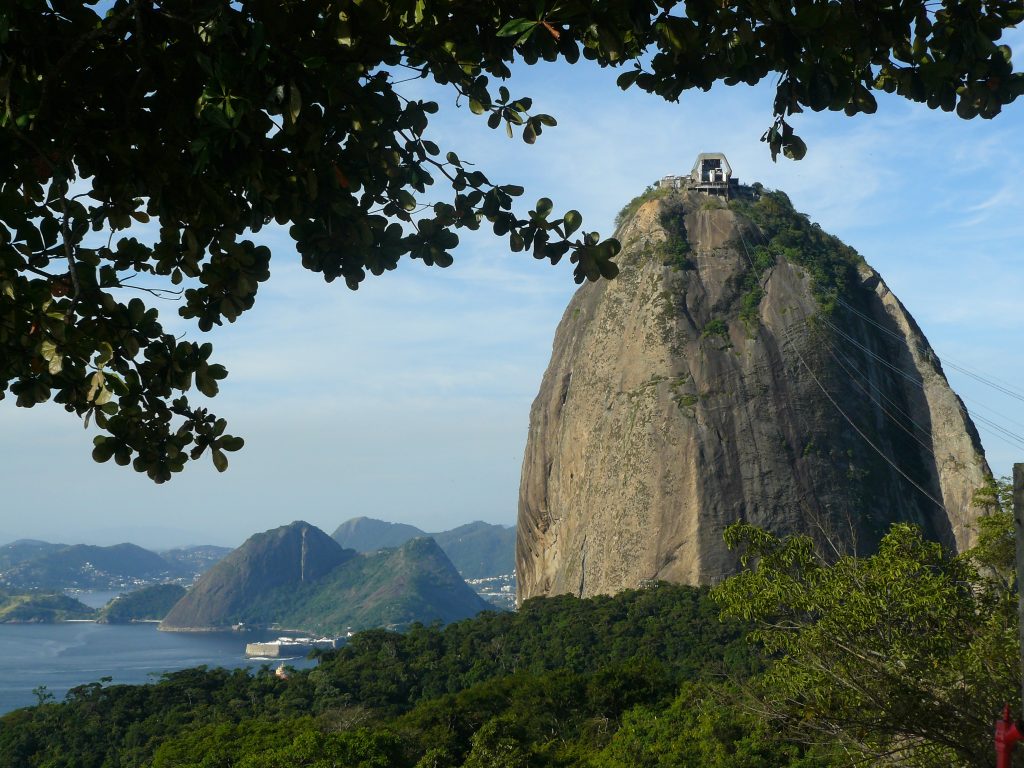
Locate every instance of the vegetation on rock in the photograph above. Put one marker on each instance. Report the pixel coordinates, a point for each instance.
(834, 397)
(789, 234)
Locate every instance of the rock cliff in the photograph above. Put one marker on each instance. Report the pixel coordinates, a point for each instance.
(743, 366)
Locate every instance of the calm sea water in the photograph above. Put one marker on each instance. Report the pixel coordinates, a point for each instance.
(61, 656)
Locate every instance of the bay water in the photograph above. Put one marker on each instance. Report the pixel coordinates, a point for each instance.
(62, 656)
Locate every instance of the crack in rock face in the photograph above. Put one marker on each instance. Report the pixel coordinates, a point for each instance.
(743, 366)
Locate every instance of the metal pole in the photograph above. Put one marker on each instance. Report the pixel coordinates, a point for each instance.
(1018, 529)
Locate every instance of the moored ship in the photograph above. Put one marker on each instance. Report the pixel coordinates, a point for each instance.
(290, 647)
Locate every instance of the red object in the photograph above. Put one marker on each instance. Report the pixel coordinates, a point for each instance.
(1008, 733)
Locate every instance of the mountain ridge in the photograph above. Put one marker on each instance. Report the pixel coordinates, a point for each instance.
(477, 549)
(297, 577)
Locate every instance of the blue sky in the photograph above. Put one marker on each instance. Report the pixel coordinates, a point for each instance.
(409, 399)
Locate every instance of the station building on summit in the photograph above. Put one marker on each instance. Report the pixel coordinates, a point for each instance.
(711, 175)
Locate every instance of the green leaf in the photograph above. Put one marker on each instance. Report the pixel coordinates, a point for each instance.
(103, 448)
(517, 27)
(626, 79)
(795, 149)
(220, 461)
(294, 102)
(95, 382)
(231, 443)
(572, 221)
(608, 269)
(104, 354)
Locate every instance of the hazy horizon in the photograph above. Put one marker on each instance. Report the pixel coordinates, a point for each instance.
(143, 535)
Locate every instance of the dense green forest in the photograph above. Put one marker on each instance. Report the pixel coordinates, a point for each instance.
(642, 678)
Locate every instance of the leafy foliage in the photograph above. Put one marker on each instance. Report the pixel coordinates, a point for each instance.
(196, 124)
(903, 656)
(705, 725)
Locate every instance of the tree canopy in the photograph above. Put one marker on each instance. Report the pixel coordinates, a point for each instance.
(143, 145)
(903, 657)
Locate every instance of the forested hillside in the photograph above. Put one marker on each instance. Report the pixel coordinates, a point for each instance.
(562, 682)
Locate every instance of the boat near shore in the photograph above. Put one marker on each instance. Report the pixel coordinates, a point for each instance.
(290, 647)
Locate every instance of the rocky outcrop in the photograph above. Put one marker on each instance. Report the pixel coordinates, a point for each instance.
(286, 557)
(296, 576)
(733, 371)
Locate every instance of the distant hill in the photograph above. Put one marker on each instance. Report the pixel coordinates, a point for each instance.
(365, 534)
(33, 564)
(85, 566)
(297, 577)
(390, 587)
(147, 604)
(40, 608)
(478, 550)
(226, 594)
(23, 550)
(193, 561)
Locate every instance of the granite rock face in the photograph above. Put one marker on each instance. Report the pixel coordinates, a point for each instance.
(698, 389)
